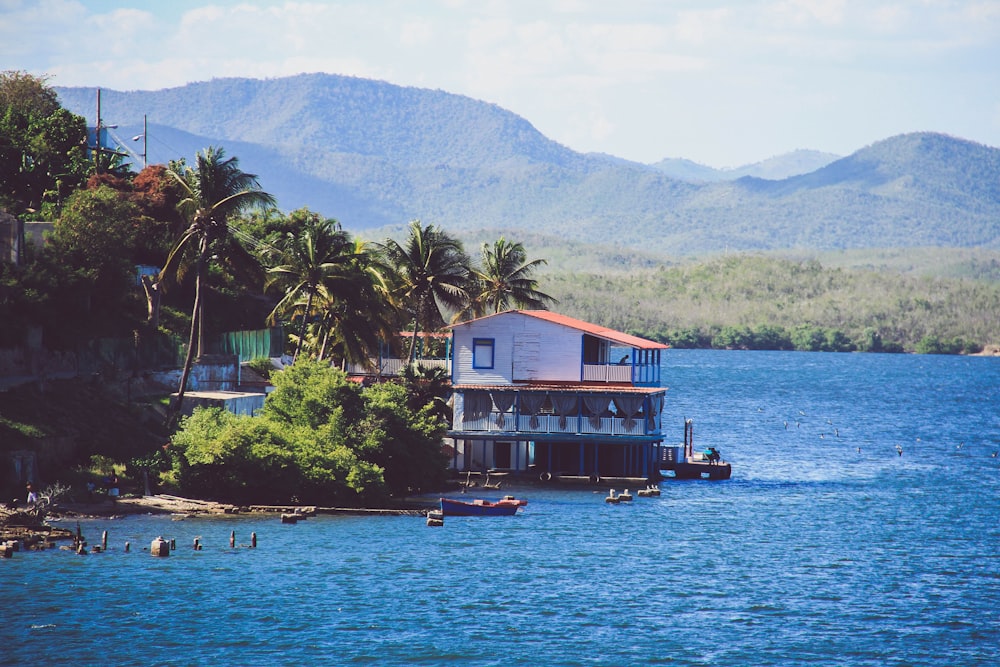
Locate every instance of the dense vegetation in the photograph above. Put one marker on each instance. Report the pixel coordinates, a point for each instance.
(376, 154)
(753, 302)
(320, 439)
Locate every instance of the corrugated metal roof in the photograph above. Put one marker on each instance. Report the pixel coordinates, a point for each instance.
(586, 327)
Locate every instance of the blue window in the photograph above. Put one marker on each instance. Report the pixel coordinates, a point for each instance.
(482, 352)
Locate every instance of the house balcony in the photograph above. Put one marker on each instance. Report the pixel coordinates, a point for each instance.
(639, 375)
(557, 412)
(540, 425)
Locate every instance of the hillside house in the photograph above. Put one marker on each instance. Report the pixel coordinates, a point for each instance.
(538, 393)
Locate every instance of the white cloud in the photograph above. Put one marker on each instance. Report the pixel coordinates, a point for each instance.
(725, 82)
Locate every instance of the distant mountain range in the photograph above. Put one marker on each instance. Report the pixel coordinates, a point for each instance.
(375, 155)
(776, 168)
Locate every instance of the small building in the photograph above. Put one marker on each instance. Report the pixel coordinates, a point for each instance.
(538, 393)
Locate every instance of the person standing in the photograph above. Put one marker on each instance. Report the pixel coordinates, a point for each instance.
(32, 496)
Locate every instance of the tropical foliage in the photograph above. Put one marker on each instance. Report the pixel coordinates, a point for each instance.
(42, 147)
(320, 440)
(431, 276)
(314, 263)
(505, 280)
(215, 189)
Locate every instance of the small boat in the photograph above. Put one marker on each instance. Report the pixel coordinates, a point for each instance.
(480, 507)
(698, 465)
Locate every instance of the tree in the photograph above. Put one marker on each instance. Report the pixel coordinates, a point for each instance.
(505, 281)
(430, 388)
(431, 273)
(42, 146)
(364, 314)
(96, 234)
(215, 189)
(315, 261)
(404, 443)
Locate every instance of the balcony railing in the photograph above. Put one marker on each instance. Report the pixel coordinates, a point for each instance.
(392, 367)
(640, 374)
(607, 373)
(550, 424)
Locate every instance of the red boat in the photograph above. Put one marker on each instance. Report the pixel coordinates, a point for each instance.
(507, 506)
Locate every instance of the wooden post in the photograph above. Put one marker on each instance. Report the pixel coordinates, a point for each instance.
(159, 547)
(197, 545)
(232, 539)
(127, 547)
(104, 541)
(253, 540)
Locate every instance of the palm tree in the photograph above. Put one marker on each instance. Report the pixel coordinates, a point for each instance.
(505, 281)
(317, 260)
(428, 387)
(215, 189)
(432, 273)
(365, 313)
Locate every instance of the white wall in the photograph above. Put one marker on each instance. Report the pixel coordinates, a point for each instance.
(526, 348)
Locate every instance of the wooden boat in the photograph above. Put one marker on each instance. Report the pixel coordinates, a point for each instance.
(480, 507)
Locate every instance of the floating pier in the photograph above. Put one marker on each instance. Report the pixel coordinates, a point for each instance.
(706, 464)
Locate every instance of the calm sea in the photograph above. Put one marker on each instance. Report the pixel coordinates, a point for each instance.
(826, 548)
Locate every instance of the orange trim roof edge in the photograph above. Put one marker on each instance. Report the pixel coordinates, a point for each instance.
(580, 325)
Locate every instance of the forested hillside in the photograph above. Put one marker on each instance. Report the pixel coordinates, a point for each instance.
(692, 304)
(375, 155)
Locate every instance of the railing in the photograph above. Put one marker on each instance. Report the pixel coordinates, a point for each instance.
(607, 373)
(393, 367)
(639, 374)
(550, 424)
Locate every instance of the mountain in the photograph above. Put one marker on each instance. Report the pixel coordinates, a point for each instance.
(776, 168)
(375, 155)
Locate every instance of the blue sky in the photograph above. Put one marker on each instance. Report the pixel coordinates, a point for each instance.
(721, 82)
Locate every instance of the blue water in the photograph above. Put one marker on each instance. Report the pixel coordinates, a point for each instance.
(814, 553)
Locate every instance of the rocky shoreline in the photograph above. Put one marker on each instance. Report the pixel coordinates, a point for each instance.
(35, 529)
(153, 504)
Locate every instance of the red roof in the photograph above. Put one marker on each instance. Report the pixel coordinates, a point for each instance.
(586, 327)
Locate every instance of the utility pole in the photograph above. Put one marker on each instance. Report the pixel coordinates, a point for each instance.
(97, 136)
(143, 136)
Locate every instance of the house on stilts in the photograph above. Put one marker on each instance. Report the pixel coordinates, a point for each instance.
(548, 396)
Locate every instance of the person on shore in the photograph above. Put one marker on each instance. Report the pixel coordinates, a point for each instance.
(32, 496)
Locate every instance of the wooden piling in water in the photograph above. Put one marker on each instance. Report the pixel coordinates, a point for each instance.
(159, 547)
(253, 540)
(232, 539)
